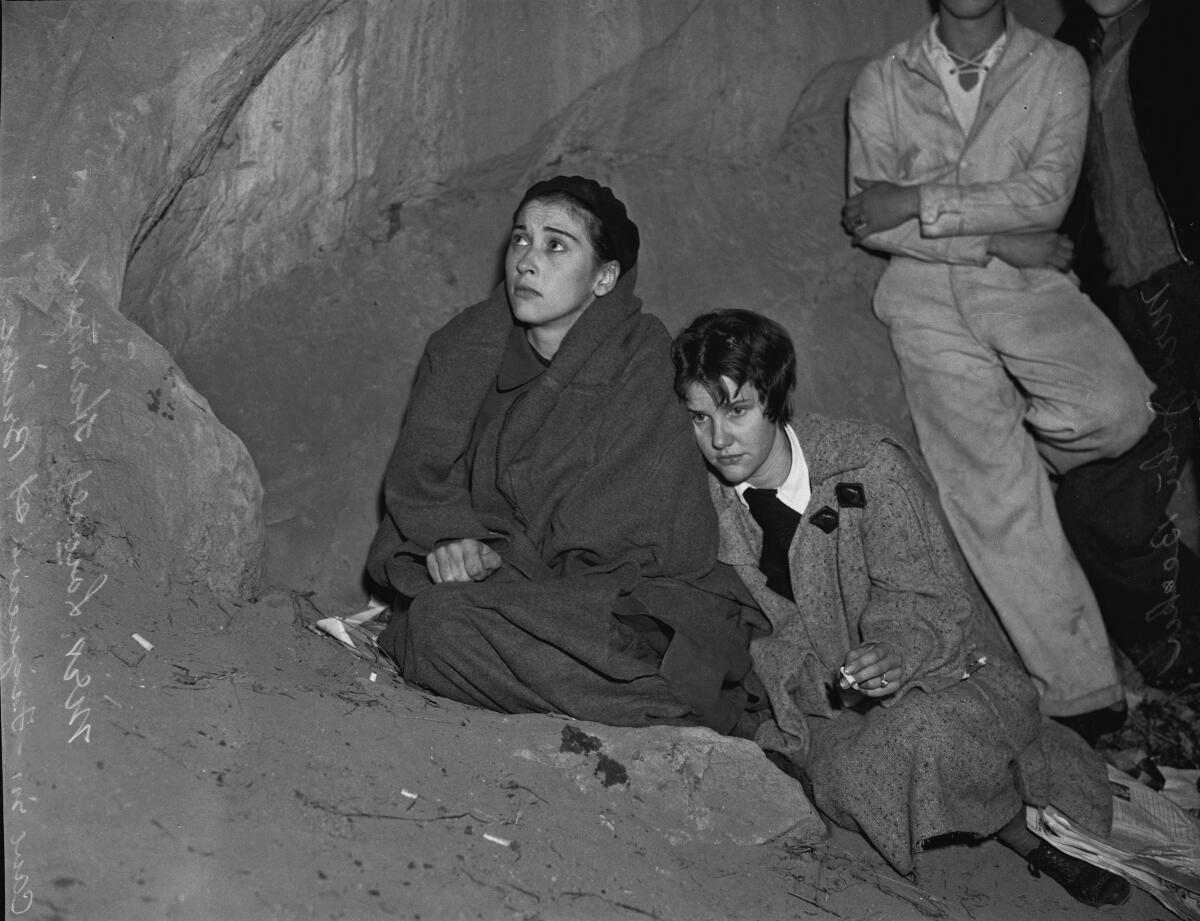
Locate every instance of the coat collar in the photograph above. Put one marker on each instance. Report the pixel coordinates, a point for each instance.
(832, 447)
(1021, 45)
(593, 353)
(479, 335)
(577, 355)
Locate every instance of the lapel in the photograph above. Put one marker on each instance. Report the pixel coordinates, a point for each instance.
(1013, 62)
(816, 620)
(914, 58)
(823, 560)
(1018, 48)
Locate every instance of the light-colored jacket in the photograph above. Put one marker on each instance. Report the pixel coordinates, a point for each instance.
(1015, 171)
(960, 745)
(869, 562)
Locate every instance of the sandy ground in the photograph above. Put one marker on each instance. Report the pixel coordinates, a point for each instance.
(247, 768)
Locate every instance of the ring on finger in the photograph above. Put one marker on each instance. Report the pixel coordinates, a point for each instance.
(883, 682)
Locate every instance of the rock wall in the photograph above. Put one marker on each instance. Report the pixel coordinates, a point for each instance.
(362, 195)
(111, 457)
(287, 197)
(388, 105)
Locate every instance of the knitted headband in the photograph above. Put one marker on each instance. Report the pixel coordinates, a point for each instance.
(618, 236)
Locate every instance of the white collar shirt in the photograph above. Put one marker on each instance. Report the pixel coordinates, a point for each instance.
(964, 103)
(795, 491)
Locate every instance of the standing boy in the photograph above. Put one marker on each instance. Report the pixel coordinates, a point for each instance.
(965, 146)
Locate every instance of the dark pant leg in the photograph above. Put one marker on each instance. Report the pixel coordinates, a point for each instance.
(1114, 511)
(521, 647)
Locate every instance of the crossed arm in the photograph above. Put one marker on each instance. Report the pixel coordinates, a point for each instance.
(927, 212)
(882, 205)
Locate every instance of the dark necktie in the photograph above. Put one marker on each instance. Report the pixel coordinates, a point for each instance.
(778, 522)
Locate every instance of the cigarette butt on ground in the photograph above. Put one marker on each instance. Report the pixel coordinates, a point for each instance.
(503, 842)
(143, 642)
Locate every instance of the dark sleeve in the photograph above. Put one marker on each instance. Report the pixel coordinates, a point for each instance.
(1161, 64)
(425, 491)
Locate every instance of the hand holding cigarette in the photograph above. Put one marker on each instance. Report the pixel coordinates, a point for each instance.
(873, 669)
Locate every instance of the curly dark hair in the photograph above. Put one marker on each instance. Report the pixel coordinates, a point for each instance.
(745, 347)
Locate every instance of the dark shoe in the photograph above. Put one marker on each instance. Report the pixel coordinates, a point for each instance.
(1096, 723)
(1086, 883)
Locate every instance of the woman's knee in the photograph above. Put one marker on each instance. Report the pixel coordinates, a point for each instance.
(437, 622)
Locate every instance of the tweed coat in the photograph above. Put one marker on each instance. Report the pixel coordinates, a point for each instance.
(960, 746)
(610, 604)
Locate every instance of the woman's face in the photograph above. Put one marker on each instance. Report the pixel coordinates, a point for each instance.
(551, 271)
(737, 439)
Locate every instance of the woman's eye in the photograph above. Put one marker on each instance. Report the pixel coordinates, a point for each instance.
(518, 239)
(698, 418)
(737, 410)
(555, 246)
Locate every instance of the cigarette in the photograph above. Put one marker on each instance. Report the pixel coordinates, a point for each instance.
(503, 842)
(850, 681)
(143, 642)
(975, 666)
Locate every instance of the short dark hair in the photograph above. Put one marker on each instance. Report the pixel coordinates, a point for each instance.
(613, 236)
(745, 347)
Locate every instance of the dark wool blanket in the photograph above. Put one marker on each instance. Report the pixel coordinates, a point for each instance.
(609, 604)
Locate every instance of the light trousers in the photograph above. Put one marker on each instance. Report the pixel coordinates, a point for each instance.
(1009, 374)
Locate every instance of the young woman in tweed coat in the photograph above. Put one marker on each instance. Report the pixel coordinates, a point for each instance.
(906, 720)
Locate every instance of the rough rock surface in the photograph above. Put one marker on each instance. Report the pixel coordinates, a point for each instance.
(243, 768)
(387, 105)
(297, 279)
(109, 109)
(114, 458)
(689, 783)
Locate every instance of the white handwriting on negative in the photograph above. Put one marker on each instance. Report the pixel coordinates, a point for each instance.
(16, 435)
(10, 668)
(75, 697)
(76, 497)
(22, 894)
(20, 497)
(85, 416)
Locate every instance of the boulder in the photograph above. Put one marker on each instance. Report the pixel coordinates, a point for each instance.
(113, 458)
(689, 783)
(116, 459)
